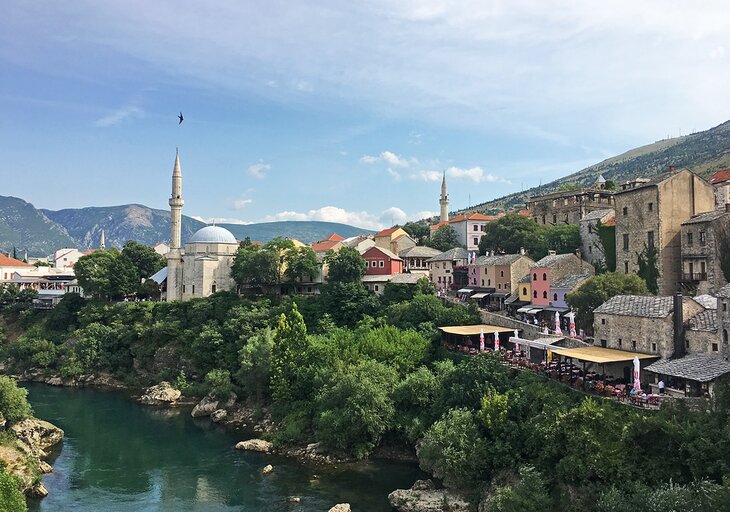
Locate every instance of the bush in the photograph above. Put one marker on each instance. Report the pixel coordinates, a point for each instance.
(30, 351)
(14, 404)
(219, 383)
(529, 495)
(11, 498)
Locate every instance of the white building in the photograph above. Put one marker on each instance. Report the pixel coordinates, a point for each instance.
(66, 258)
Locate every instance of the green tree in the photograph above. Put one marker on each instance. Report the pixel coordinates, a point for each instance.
(11, 498)
(94, 271)
(444, 238)
(453, 450)
(144, 259)
(355, 411)
(301, 264)
(219, 383)
(610, 185)
(124, 279)
(290, 344)
(254, 265)
(347, 303)
(509, 234)
(345, 265)
(648, 261)
(597, 290)
(419, 231)
(561, 238)
(14, 404)
(607, 235)
(255, 365)
(528, 495)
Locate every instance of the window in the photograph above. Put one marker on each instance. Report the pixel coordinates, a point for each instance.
(653, 347)
(212, 289)
(626, 267)
(625, 211)
(489, 282)
(603, 321)
(626, 242)
(524, 292)
(604, 343)
(690, 240)
(590, 249)
(499, 286)
(534, 276)
(476, 228)
(482, 282)
(382, 264)
(544, 276)
(620, 342)
(650, 239)
(476, 241)
(633, 344)
(703, 237)
(555, 219)
(715, 347)
(555, 297)
(543, 219)
(590, 229)
(193, 289)
(376, 288)
(439, 279)
(724, 306)
(501, 273)
(544, 295)
(651, 207)
(367, 263)
(724, 335)
(183, 288)
(534, 294)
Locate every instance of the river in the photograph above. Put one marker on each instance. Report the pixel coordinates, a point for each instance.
(118, 456)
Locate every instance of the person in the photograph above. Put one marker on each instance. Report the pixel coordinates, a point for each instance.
(661, 386)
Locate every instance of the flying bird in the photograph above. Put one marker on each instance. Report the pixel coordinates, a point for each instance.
(180, 117)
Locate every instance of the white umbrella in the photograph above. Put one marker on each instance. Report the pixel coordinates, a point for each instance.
(558, 330)
(496, 340)
(637, 380)
(571, 317)
(481, 340)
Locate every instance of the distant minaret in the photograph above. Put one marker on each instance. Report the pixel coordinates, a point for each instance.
(444, 201)
(174, 257)
(102, 244)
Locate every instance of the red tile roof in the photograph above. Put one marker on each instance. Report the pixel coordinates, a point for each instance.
(434, 227)
(720, 176)
(335, 237)
(386, 232)
(324, 246)
(526, 213)
(7, 261)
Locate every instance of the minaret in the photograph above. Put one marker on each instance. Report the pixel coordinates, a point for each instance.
(102, 244)
(174, 257)
(444, 201)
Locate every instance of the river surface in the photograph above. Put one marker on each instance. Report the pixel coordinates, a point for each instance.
(120, 456)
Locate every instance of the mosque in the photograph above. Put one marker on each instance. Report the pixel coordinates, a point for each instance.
(203, 267)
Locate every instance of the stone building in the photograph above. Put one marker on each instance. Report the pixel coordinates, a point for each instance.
(701, 251)
(394, 239)
(570, 206)
(591, 244)
(415, 258)
(645, 324)
(441, 267)
(723, 321)
(650, 213)
(721, 181)
(500, 272)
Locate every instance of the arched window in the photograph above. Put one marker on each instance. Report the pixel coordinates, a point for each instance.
(534, 294)
(555, 297)
(544, 276)
(724, 335)
(524, 291)
(544, 295)
(534, 276)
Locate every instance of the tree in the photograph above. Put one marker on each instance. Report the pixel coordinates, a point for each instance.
(347, 303)
(124, 278)
(94, 270)
(509, 234)
(254, 265)
(301, 264)
(357, 408)
(255, 364)
(607, 235)
(597, 290)
(610, 185)
(419, 231)
(14, 404)
(11, 498)
(648, 261)
(561, 238)
(145, 260)
(345, 265)
(290, 344)
(528, 495)
(444, 238)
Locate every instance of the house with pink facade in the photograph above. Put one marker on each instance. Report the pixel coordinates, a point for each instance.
(550, 270)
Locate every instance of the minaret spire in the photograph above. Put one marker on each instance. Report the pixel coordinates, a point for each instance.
(102, 244)
(444, 200)
(176, 203)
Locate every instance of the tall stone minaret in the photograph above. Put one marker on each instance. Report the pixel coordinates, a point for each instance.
(174, 257)
(102, 244)
(444, 201)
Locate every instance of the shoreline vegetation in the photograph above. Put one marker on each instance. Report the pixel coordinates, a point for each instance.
(347, 375)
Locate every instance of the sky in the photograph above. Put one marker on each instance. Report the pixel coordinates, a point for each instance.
(342, 111)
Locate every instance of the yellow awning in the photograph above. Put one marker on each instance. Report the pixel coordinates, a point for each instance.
(600, 355)
(473, 330)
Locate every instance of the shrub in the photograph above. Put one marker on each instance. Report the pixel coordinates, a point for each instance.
(14, 404)
(11, 498)
(219, 382)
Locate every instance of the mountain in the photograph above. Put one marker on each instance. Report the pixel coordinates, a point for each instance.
(43, 231)
(24, 227)
(702, 152)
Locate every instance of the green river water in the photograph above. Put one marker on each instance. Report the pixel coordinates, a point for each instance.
(120, 456)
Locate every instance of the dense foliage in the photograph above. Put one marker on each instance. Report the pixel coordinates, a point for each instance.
(11, 498)
(14, 404)
(443, 239)
(513, 232)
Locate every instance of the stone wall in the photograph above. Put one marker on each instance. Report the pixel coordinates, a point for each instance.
(706, 251)
(621, 332)
(527, 331)
(723, 323)
(591, 245)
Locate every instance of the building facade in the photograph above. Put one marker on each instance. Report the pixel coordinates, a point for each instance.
(382, 262)
(415, 258)
(701, 248)
(441, 267)
(551, 269)
(650, 214)
(590, 240)
(569, 206)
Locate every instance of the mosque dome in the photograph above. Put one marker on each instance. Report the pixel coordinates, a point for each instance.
(213, 235)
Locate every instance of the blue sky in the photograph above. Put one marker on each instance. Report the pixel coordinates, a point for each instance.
(342, 111)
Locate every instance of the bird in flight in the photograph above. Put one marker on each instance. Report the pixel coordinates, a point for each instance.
(180, 117)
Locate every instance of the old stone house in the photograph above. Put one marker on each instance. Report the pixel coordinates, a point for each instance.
(591, 244)
(701, 249)
(569, 206)
(441, 267)
(650, 213)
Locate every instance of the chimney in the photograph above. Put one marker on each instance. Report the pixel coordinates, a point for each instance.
(671, 168)
(579, 253)
(678, 317)
(551, 253)
(522, 249)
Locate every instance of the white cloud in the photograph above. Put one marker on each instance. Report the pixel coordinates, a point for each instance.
(395, 175)
(361, 219)
(475, 174)
(388, 157)
(241, 203)
(428, 176)
(717, 53)
(220, 220)
(114, 118)
(258, 170)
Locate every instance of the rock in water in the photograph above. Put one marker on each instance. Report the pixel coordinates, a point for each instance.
(255, 445)
(341, 507)
(218, 415)
(420, 499)
(267, 469)
(206, 407)
(38, 491)
(161, 394)
(45, 467)
(37, 435)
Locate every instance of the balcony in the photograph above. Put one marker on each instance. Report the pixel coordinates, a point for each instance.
(694, 277)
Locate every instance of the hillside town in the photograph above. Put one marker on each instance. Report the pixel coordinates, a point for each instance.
(672, 230)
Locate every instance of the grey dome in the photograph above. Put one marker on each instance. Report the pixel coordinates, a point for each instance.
(213, 235)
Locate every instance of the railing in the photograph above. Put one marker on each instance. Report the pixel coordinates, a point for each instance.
(694, 276)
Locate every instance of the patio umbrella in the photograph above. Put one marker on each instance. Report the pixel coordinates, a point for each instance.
(558, 330)
(496, 340)
(637, 381)
(481, 340)
(571, 317)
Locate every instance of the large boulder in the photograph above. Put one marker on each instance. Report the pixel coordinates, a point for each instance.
(255, 445)
(423, 497)
(341, 507)
(218, 415)
(161, 394)
(207, 406)
(37, 435)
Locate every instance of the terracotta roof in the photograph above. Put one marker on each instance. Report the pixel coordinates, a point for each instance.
(434, 227)
(474, 216)
(525, 213)
(324, 246)
(386, 232)
(720, 176)
(7, 261)
(335, 237)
